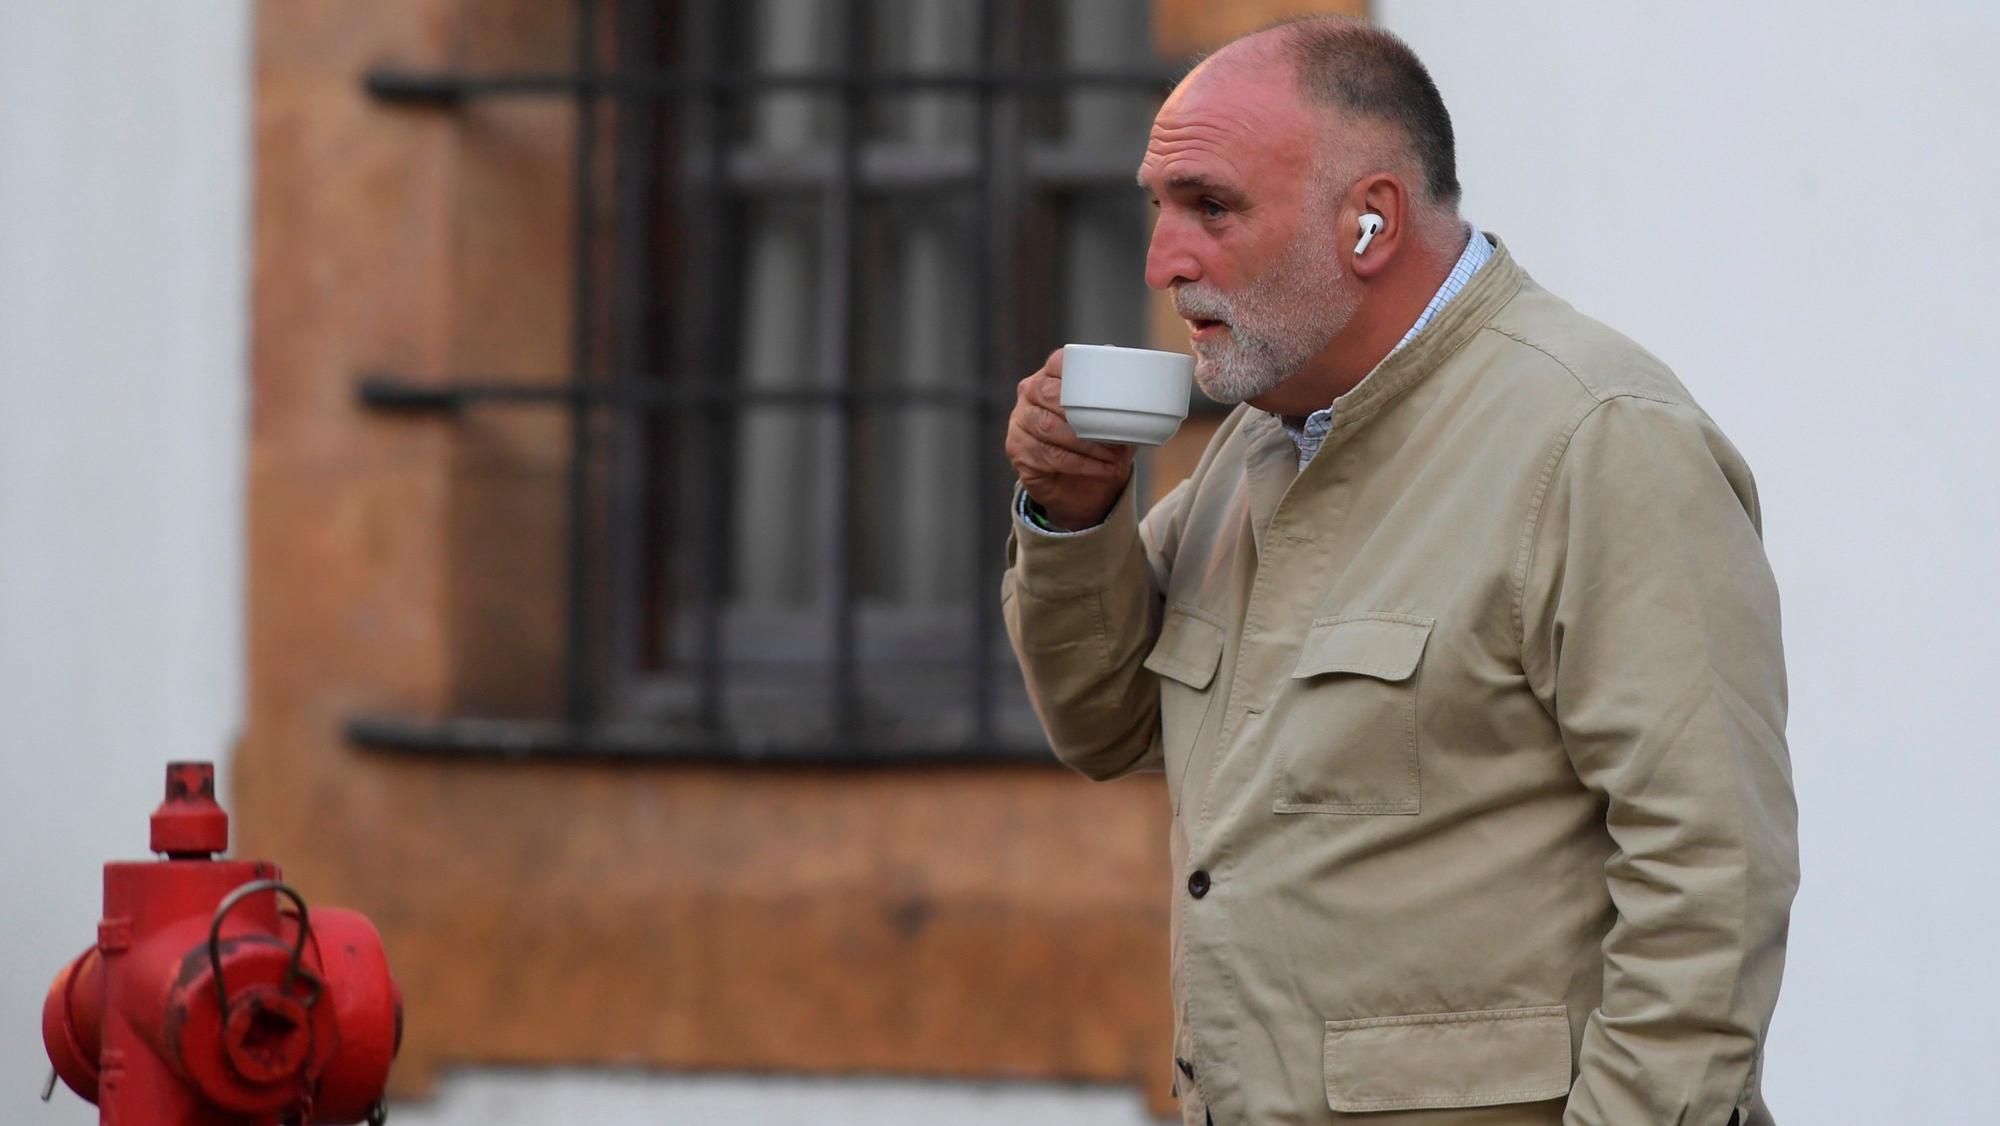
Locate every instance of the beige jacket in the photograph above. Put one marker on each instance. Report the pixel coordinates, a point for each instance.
(1474, 735)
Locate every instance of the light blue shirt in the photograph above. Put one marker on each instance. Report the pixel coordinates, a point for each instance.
(1310, 434)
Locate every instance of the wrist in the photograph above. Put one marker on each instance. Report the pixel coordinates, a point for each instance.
(1040, 518)
(1067, 520)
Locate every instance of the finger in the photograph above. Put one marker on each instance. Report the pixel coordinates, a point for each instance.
(1039, 457)
(1045, 386)
(1044, 391)
(1058, 469)
(1050, 369)
(1112, 451)
(1054, 429)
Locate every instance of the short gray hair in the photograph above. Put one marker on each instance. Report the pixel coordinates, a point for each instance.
(1364, 71)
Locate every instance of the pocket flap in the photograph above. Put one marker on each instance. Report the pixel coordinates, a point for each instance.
(1189, 648)
(1385, 646)
(1484, 1058)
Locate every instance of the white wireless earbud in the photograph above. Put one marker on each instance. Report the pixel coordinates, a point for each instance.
(1370, 223)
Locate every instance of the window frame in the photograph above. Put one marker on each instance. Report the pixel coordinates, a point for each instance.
(620, 383)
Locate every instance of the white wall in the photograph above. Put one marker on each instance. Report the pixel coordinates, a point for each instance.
(1794, 205)
(123, 236)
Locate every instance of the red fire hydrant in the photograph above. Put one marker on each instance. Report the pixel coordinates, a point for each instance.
(206, 1002)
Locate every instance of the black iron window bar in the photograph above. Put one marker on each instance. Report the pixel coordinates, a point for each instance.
(997, 171)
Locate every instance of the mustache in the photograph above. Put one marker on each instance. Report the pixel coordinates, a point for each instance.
(1196, 304)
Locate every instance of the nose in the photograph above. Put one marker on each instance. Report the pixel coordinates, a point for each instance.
(1168, 257)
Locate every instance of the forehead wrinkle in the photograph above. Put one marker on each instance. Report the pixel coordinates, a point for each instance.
(1238, 117)
(1217, 152)
(1212, 165)
(1194, 138)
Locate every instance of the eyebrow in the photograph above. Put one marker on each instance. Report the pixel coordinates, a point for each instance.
(1190, 182)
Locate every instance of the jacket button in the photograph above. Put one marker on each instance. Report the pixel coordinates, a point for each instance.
(1198, 883)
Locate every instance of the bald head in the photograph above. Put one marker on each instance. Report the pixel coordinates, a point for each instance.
(1266, 163)
(1381, 107)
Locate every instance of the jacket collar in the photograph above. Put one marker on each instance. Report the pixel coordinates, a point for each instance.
(1270, 460)
(1453, 326)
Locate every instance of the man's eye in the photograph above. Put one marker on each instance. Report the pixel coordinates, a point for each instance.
(1212, 210)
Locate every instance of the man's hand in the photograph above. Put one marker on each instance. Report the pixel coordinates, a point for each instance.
(1076, 481)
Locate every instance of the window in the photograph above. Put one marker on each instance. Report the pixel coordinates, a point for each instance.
(816, 244)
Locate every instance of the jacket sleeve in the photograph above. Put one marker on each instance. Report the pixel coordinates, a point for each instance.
(1650, 632)
(1083, 611)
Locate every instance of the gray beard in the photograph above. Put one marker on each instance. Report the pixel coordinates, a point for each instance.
(1276, 324)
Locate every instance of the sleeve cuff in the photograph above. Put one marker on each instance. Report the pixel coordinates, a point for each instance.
(1031, 515)
(1066, 564)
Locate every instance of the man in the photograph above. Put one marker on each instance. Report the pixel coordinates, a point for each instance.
(1458, 648)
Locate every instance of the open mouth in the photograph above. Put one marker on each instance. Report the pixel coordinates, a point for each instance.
(1200, 327)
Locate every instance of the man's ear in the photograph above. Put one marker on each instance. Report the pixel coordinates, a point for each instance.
(1383, 194)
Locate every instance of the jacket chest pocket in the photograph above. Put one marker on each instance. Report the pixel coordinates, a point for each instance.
(1185, 657)
(1347, 728)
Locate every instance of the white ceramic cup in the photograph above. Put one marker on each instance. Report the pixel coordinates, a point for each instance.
(1132, 395)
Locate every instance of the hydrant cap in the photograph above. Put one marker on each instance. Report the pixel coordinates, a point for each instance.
(189, 825)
